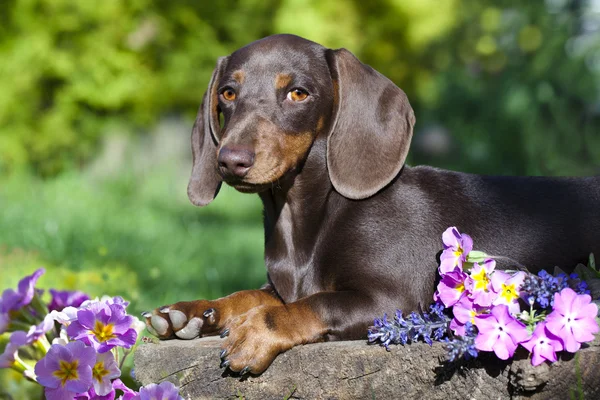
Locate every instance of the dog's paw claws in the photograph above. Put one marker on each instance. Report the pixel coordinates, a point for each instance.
(245, 371)
(223, 354)
(146, 314)
(225, 333)
(224, 364)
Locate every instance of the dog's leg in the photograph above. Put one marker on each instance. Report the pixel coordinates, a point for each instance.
(254, 339)
(190, 319)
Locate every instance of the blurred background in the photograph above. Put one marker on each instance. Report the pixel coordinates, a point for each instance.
(97, 101)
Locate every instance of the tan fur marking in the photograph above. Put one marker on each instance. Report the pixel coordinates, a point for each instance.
(239, 76)
(282, 80)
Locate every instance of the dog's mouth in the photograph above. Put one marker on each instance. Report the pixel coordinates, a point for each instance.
(246, 187)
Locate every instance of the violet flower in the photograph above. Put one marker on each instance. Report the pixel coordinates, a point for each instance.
(13, 300)
(456, 248)
(128, 394)
(508, 288)
(34, 333)
(4, 321)
(429, 326)
(573, 320)
(499, 332)
(103, 326)
(451, 288)
(479, 283)
(66, 370)
(463, 345)
(104, 370)
(164, 391)
(543, 345)
(66, 298)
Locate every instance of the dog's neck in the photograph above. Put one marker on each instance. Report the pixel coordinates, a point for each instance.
(294, 211)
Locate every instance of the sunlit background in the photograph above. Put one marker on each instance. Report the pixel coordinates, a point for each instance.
(97, 101)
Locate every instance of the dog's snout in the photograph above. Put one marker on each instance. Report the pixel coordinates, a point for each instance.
(236, 161)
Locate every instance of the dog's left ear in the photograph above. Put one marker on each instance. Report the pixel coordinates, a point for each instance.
(371, 129)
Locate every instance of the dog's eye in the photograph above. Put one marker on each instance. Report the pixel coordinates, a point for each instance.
(297, 95)
(228, 94)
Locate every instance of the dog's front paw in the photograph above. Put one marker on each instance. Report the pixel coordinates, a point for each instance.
(184, 320)
(253, 340)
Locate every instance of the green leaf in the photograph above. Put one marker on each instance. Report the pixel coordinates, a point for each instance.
(477, 256)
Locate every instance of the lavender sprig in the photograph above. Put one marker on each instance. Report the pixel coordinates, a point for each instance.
(540, 289)
(428, 326)
(462, 346)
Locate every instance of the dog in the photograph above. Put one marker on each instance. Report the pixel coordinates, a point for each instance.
(351, 231)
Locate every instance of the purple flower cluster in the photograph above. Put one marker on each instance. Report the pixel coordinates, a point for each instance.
(428, 326)
(486, 307)
(82, 361)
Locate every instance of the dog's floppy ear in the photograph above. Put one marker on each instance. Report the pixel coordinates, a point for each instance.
(205, 181)
(371, 129)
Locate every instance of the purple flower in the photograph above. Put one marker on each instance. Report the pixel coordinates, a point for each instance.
(104, 370)
(479, 283)
(103, 326)
(4, 321)
(573, 320)
(128, 394)
(165, 391)
(543, 344)
(456, 249)
(7, 359)
(499, 332)
(34, 333)
(66, 298)
(508, 288)
(66, 370)
(13, 300)
(451, 288)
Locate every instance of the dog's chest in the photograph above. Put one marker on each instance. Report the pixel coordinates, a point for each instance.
(290, 260)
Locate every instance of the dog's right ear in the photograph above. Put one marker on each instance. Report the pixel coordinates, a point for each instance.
(205, 181)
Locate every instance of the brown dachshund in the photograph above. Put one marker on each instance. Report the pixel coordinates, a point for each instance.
(350, 231)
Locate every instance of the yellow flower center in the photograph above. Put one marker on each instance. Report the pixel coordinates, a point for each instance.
(67, 371)
(99, 372)
(460, 287)
(458, 252)
(481, 280)
(509, 293)
(103, 332)
(473, 315)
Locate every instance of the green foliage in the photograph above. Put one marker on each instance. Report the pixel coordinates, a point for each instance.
(508, 80)
(131, 235)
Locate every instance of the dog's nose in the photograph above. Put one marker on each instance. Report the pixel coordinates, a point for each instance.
(236, 160)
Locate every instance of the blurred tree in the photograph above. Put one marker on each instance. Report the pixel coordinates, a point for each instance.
(498, 86)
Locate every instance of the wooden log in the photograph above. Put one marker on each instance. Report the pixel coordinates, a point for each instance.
(355, 370)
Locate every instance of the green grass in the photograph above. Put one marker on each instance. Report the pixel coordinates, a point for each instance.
(131, 234)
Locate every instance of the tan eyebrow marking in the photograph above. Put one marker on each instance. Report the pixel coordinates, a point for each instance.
(239, 76)
(282, 80)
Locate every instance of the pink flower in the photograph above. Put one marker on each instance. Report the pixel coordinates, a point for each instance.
(456, 249)
(451, 288)
(573, 320)
(479, 283)
(499, 332)
(543, 344)
(464, 311)
(508, 288)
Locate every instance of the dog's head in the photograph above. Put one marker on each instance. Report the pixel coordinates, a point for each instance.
(275, 96)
